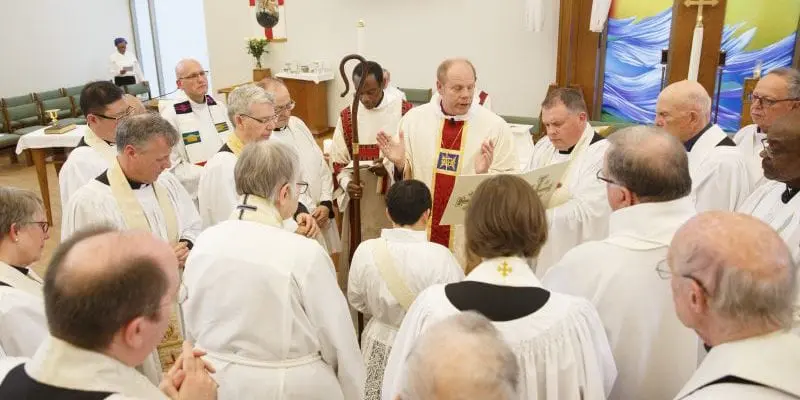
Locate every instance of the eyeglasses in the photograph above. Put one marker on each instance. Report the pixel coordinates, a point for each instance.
(195, 75)
(128, 111)
(604, 179)
(42, 224)
(267, 120)
(287, 107)
(302, 187)
(663, 271)
(767, 102)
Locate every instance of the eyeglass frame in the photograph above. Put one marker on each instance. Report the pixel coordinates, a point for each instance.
(302, 187)
(664, 272)
(128, 111)
(604, 179)
(194, 75)
(287, 107)
(44, 225)
(767, 102)
(263, 121)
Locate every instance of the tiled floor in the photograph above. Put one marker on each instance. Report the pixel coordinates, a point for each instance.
(22, 176)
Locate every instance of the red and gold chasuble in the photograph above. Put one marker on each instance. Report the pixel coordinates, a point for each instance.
(449, 157)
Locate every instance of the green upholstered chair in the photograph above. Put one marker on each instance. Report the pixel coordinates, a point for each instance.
(8, 144)
(73, 90)
(17, 100)
(138, 89)
(48, 95)
(23, 119)
(418, 96)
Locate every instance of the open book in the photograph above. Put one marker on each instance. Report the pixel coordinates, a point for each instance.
(543, 180)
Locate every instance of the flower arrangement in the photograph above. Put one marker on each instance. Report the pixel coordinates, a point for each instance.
(257, 46)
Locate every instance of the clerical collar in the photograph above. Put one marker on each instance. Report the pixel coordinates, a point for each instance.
(595, 138)
(103, 178)
(22, 270)
(281, 129)
(788, 194)
(691, 142)
(83, 143)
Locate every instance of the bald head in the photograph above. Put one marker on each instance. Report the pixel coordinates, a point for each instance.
(745, 269)
(101, 279)
(134, 103)
(461, 357)
(187, 65)
(683, 109)
(460, 65)
(271, 85)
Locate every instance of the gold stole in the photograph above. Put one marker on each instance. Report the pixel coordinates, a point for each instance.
(562, 194)
(170, 347)
(257, 209)
(99, 145)
(235, 144)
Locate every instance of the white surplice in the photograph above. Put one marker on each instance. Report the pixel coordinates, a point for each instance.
(721, 177)
(209, 122)
(118, 62)
(283, 330)
(314, 170)
(420, 264)
(94, 203)
(423, 127)
(23, 325)
(654, 352)
(584, 215)
(748, 140)
(770, 362)
(60, 364)
(561, 348)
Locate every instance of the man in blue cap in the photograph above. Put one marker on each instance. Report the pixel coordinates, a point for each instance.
(125, 67)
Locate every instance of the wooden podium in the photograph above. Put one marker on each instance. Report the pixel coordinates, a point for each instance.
(310, 94)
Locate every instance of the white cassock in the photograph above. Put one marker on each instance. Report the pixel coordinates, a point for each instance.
(654, 352)
(578, 211)
(74, 373)
(440, 147)
(417, 264)
(315, 172)
(89, 159)
(721, 177)
(283, 330)
(763, 367)
(23, 325)
(127, 61)
(202, 129)
(479, 97)
(558, 339)
(748, 140)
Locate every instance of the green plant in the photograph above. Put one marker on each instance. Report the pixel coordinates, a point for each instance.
(257, 47)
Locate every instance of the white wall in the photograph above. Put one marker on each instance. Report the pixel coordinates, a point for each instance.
(409, 37)
(49, 44)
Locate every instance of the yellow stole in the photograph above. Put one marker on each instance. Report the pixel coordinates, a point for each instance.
(170, 347)
(235, 144)
(99, 145)
(257, 209)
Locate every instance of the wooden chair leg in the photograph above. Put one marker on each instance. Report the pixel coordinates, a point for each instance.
(14, 158)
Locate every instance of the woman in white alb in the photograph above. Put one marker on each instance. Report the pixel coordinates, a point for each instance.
(124, 66)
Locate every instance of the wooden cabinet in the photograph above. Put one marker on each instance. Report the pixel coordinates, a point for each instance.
(311, 100)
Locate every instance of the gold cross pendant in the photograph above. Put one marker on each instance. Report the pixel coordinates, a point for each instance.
(504, 269)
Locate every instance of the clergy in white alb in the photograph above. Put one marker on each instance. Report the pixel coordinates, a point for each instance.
(721, 175)
(123, 65)
(578, 210)
(108, 297)
(558, 339)
(103, 105)
(436, 142)
(23, 232)
(646, 173)
(253, 112)
(283, 329)
(137, 193)
(733, 282)
(379, 111)
(318, 197)
(776, 94)
(201, 121)
(388, 272)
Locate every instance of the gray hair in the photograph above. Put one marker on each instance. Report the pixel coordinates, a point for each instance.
(466, 346)
(649, 162)
(264, 167)
(792, 78)
(138, 130)
(243, 97)
(17, 206)
(746, 267)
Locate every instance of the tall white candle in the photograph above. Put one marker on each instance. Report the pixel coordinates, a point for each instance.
(361, 33)
(697, 49)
